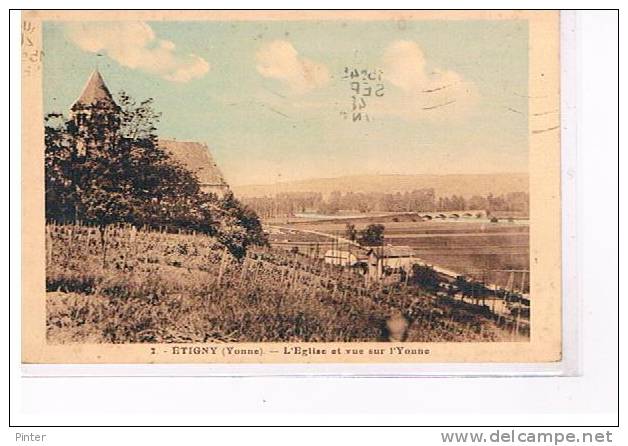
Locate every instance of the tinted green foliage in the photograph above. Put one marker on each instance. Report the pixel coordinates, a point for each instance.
(425, 277)
(104, 166)
(373, 235)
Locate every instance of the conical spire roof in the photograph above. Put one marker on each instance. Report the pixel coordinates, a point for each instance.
(94, 91)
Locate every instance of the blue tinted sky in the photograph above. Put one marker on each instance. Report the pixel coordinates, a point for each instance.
(267, 96)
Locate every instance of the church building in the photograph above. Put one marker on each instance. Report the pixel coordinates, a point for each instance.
(194, 156)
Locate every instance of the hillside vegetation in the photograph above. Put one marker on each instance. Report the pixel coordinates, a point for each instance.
(130, 285)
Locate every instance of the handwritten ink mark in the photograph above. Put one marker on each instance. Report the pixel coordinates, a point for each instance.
(545, 113)
(275, 93)
(439, 105)
(276, 111)
(432, 90)
(533, 114)
(259, 104)
(513, 110)
(545, 130)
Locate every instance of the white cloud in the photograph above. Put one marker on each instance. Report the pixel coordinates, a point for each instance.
(134, 45)
(423, 91)
(280, 60)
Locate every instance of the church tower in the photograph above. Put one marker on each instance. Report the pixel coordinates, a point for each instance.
(95, 115)
(96, 120)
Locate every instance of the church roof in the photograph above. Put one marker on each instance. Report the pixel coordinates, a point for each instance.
(197, 158)
(94, 91)
(194, 156)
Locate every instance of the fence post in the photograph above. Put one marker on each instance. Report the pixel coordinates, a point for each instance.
(222, 266)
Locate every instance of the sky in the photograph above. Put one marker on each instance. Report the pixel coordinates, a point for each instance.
(273, 101)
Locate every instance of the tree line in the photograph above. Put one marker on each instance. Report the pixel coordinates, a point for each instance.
(419, 200)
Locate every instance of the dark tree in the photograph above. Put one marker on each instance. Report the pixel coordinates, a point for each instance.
(373, 235)
(425, 277)
(350, 232)
(104, 166)
(238, 226)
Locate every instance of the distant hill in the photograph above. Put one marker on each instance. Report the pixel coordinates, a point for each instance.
(444, 185)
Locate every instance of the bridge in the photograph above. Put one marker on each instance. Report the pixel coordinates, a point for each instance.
(391, 216)
(451, 214)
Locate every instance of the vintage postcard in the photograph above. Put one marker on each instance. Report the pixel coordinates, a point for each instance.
(291, 187)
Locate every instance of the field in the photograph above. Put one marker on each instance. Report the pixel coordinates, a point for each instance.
(473, 247)
(127, 285)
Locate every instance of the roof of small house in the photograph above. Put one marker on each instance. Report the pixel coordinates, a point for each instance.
(94, 91)
(392, 251)
(339, 253)
(195, 157)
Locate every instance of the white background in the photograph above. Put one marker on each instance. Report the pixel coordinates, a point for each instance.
(589, 399)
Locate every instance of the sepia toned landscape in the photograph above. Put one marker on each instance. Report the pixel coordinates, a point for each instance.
(317, 199)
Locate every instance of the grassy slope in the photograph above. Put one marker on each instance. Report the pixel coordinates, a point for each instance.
(153, 287)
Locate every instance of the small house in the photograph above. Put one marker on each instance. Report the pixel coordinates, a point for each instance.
(387, 258)
(340, 257)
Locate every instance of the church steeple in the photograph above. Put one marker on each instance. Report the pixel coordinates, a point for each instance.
(94, 91)
(96, 117)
